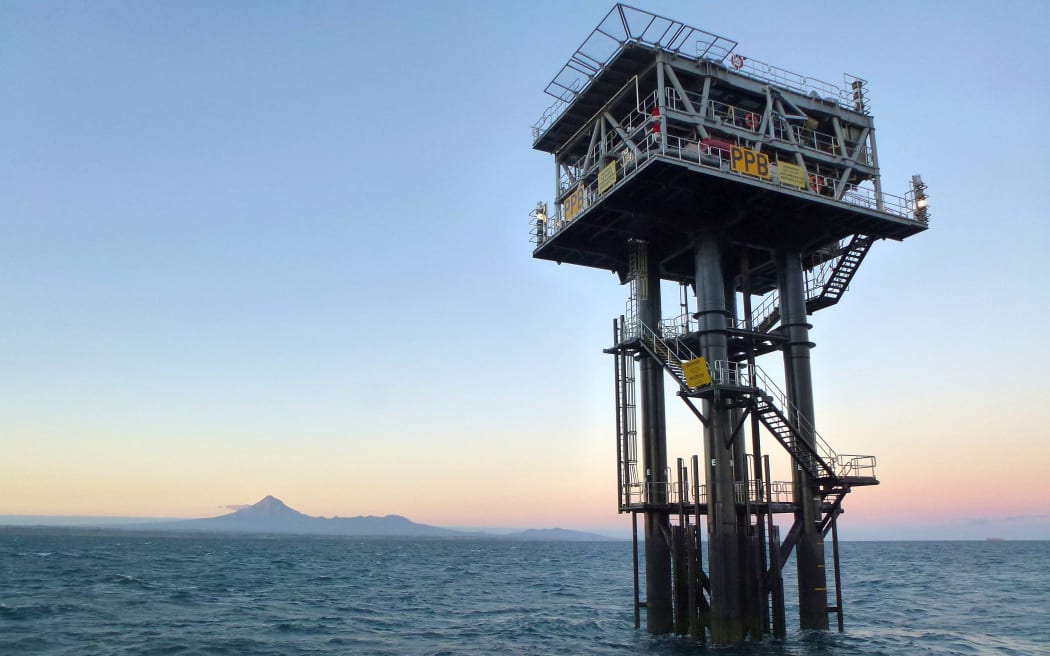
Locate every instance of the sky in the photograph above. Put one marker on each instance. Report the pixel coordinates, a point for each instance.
(256, 248)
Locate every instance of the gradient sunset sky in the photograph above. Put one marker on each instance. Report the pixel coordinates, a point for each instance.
(258, 248)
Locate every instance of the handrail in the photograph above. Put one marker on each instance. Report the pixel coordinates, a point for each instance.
(622, 27)
(635, 120)
(679, 326)
(742, 374)
(745, 119)
(851, 96)
(727, 372)
(781, 492)
(855, 466)
(764, 382)
(638, 494)
(680, 351)
(769, 304)
(626, 26)
(695, 153)
(816, 279)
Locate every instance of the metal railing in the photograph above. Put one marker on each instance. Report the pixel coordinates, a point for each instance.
(816, 278)
(762, 381)
(855, 466)
(781, 492)
(727, 372)
(818, 141)
(674, 346)
(746, 119)
(632, 491)
(637, 495)
(624, 26)
(769, 304)
(612, 145)
(743, 375)
(679, 326)
(849, 96)
(694, 152)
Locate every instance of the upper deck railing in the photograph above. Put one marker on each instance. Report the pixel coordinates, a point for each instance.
(625, 25)
(696, 153)
(850, 96)
(621, 26)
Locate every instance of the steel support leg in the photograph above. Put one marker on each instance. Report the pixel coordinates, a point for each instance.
(659, 613)
(727, 621)
(809, 550)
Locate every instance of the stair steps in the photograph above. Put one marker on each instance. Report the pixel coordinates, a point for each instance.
(825, 294)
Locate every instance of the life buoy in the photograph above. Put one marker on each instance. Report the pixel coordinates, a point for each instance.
(751, 120)
(815, 183)
(654, 125)
(737, 61)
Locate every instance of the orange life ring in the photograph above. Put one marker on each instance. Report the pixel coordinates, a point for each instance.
(737, 61)
(752, 121)
(815, 183)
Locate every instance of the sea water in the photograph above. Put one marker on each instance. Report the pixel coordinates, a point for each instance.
(94, 592)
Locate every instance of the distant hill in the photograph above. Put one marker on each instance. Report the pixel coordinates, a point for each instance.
(560, 534)
(271, 515)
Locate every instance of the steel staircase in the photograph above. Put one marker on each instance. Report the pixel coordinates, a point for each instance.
(789, 437)
(772, 407)
(842, 273)
(767, 314)
(827, 283)
(671, 354)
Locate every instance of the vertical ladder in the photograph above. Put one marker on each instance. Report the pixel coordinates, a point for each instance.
(837, 608)
(626, 424)
(637, 274)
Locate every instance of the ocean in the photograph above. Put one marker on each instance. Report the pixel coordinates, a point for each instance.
(106, 592)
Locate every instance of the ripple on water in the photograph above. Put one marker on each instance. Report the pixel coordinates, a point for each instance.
(250, 596)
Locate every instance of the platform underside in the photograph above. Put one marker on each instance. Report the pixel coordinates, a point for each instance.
(665, 201)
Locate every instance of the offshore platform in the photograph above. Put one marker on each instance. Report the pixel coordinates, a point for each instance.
(757, 190)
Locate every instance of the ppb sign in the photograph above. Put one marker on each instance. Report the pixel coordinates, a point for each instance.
(573, 204)
(745, 160)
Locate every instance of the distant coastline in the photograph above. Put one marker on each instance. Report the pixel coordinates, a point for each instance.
(271, 516)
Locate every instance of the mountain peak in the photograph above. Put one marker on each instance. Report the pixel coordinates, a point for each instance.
(270, 501)
(271, 515)
(269, 506)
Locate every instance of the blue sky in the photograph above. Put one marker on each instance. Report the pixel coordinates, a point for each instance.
(282, 248)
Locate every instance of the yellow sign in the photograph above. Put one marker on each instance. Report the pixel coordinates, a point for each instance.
(696, 372)
(745, 160)
(573, 205)
(606, 177)
(792, 175)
